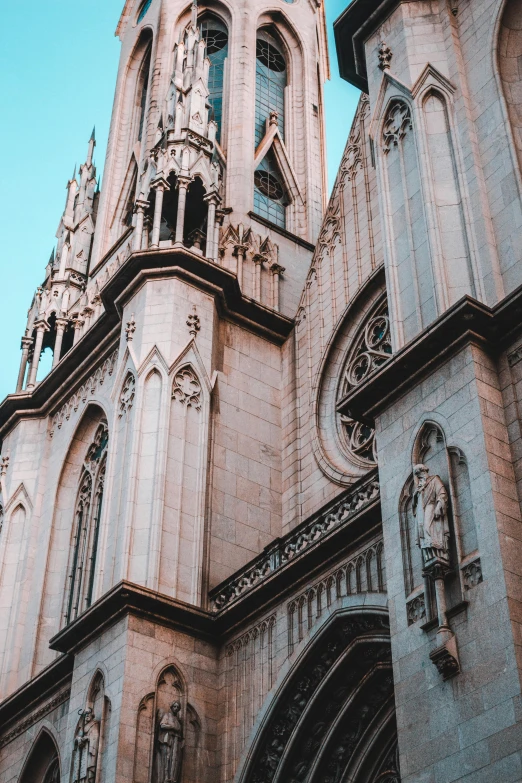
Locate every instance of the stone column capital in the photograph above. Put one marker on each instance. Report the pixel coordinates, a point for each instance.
(141, 205)
(183, 182)
(277, 269)
(160, 183)
(26, 343)
(62, 323)
(259, 258)
(41, 325)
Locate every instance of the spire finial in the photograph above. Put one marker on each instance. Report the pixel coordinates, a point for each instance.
(92, 144)
(194, 13)
(74, 173)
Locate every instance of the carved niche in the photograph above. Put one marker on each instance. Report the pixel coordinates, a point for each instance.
(91, 731)
(168, 734)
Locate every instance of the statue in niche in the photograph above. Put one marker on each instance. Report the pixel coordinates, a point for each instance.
(86, 744)
(169, 745)
(430, 509)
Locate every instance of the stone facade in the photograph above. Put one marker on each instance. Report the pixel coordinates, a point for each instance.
(261, 521)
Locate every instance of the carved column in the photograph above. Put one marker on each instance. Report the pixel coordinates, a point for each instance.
(160, 187)
(139, 208)
(183, 184)
(240, 253)
(41, 329)
(26, 347)
(78, 326)
(259, 260)
(61, 326)
(147, 227)
(277, 272)
(212, 200)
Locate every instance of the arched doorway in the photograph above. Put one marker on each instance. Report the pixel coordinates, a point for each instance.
(333, 719)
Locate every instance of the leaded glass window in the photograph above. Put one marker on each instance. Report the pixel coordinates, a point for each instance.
(271, 80)
(87, 517)
(215, 34)
(270, 199)
(144, 8)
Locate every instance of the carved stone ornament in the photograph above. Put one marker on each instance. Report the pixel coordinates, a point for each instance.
(446, 659)
(130, 329)
(385, 56)
(472, 574)
(86, 745)
(187, 388)
(416, 609)
(193, 322)
(398, 122)
(127, 395)
(168, 746)
(430, 508)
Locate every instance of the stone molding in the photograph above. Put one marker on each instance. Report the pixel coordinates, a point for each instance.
(87, 388)
(307, 535)
(61, 697)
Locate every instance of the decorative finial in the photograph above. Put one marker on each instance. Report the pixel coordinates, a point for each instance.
(385, 56)
(130, 329)
(193, 323)
(93, 134)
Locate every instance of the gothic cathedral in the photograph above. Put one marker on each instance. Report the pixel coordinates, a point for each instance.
(261, 521)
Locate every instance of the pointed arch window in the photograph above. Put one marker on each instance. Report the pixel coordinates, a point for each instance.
(270, 196)
(271, 81)
(215, 34)
(143, 91)
(88, 510)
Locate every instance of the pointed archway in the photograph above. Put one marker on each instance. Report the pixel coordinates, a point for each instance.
(333, 717)
(43, 762)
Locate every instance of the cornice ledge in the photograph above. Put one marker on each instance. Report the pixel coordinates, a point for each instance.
(202, 272)
(467, 321)
(128, 598)
(51, 681)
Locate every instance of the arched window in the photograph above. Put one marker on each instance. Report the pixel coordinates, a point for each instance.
(215, 34)
(270, 196)
(84, 546)
(271, 80)
(142, 93)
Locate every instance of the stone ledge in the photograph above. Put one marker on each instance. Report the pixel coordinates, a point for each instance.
(466, 322)
(100, 338)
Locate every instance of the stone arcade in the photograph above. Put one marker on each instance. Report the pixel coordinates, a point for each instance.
(261, 521)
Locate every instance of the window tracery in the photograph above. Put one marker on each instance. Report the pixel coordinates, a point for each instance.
(84, 548)
(370, 350)
(187, 388)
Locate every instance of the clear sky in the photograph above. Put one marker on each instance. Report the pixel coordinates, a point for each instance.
(58, 63)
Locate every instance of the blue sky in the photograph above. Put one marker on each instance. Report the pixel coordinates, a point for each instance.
(58, 67)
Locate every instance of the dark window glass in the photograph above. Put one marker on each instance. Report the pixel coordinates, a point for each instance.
(143, 92)
(145, 7)
(270, 198)
(215, 34)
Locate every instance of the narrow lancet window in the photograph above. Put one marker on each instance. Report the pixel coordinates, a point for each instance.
(143, 89)
(215, 34)
(270, 195)
(84, 545)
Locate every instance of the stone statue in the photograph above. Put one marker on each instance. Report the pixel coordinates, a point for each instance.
(430, 508)
(169, 745)
(86, 744)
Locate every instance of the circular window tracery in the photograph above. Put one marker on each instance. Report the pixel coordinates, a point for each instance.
(370, 350)
(269, 185)
(271, 57)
